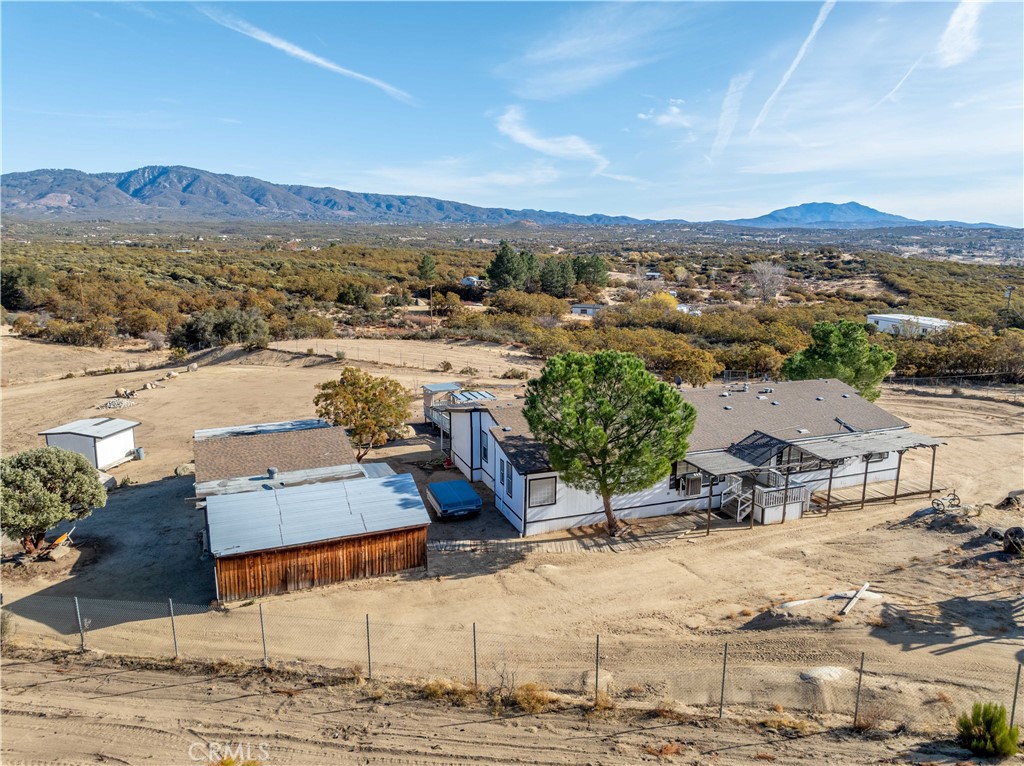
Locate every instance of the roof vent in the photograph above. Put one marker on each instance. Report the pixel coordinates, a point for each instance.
(819, 398)
(761, 397)
(727, 407)
(506, 428)
(272, 472)
(846, 396)
(766, 391)
(776, 404)
(802, 431)
(724, 393)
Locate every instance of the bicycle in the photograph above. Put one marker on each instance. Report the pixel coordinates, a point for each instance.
(952, 500)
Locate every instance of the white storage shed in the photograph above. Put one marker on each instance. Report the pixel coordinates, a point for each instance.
(105, 442)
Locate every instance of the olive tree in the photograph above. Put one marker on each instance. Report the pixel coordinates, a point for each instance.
(40, 488)
(609, 425)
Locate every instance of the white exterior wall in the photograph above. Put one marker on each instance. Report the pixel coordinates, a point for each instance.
(575, 508)
(511, 507)
(115, 449)
(83, 445)
(851, 474)
(466, 426)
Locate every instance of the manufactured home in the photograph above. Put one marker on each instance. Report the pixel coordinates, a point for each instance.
(586, 309)
(756, 454)
(105, 442)
(909, 325)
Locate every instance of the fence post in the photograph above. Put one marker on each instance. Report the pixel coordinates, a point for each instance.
(476, 675)
(174, 631)
(860, 681)
(1016, 690)
(263, 633)
(369, 656)
(81, 627)
(721, 697)
(597, 670)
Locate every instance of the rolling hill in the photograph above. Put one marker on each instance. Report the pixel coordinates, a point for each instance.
(176, 193)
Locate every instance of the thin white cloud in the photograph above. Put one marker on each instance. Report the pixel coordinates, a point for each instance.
(826, 9)
(243, 27)
(892, 93)
(730, 113)
(960, 39)
(513, 125)
(591, 47)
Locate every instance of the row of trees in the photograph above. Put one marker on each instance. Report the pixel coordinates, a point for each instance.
(513, 269)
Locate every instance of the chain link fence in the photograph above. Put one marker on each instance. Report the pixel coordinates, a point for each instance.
(872, 691)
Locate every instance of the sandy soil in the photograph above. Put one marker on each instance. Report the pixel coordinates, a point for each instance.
(25, 360)
(74, 710)
(948, 619)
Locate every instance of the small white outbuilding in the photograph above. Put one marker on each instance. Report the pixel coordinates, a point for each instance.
(105, 442)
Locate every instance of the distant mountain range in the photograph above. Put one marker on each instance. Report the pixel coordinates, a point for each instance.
(175, 193)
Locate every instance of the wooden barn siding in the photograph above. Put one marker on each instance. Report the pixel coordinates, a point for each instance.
(287, 569)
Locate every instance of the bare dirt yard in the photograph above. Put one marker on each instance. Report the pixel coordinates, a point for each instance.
(943, 622)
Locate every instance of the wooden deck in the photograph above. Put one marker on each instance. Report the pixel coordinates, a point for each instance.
(877, 492)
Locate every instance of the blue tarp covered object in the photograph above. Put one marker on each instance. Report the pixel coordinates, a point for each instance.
(453, 497)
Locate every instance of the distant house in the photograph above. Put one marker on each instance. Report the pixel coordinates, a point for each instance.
(105, 442)
(909, 325)
(755, 455)
(288, 507)
(686, 308)
(471, 282)
(586, 309)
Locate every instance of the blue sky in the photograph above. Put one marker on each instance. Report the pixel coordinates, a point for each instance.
(661, 110)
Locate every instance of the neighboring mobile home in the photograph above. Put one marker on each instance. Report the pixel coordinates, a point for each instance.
(755, 454)
(105, 442)
(909, 325)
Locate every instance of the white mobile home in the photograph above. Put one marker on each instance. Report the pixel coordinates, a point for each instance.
(105, 442)
(586, 309)
(910, 325)
(756, 455)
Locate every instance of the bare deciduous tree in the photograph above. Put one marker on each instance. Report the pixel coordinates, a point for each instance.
(769, 278)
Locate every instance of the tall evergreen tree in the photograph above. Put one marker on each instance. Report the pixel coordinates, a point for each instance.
(841, 350)
(427, 268)
(609, 425)
(507, 271)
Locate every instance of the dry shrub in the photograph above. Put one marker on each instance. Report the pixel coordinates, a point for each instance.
(835, 618)
(531, 697)
(870, 717)
(877, 621)
(944, 697)
(788, 722)
(442, 689)
(764, 757)
(777, 707)
(664, 751)
(603, 702)
(287, 692)
(747, 612)
(230, 667)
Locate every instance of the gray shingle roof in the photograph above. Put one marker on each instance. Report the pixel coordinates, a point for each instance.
(229, 457)
(793, 411)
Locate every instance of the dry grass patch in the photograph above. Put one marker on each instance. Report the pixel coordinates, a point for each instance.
(877, 621)
(787, 723)
(765, 757)
(532, 697)
(871, 716)
(452, 692)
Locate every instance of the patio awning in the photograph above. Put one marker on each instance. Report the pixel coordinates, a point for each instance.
(720, 463)
(856, 445)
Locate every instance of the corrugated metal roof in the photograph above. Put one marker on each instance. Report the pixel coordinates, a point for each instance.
(97, 428)
(254, 521)
(856, 445)
(438, 388)
(720, 463)
(463, 397)
(259, 429)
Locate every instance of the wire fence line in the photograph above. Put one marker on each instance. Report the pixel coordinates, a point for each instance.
(746, 676)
